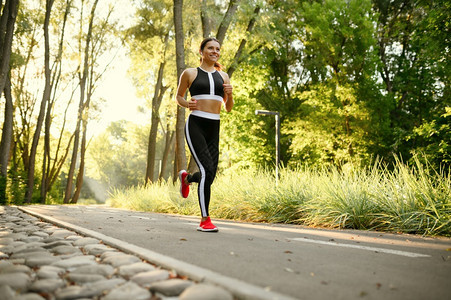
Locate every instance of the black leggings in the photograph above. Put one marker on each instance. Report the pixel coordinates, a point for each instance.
(202, 136)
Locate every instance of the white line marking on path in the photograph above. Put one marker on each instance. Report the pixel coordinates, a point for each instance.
(383, 250)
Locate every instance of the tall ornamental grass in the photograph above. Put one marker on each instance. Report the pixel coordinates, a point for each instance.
(404, 199)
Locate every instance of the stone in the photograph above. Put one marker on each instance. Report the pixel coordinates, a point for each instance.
(32, 239)
(50, 272)
(57, 243)
(203, 291)
(75, 292)
(73, 237)
(147, 278)
(32, 247)
(83, 278)
(11, 247)
(6, 241)
(63, 249)
(61, 233)
(31, 253)
(107, 254)
(135, 268)
(121, 259)
(170, 288)
(75, 262)
(98, 250)
(86, 241)
(41, 234)
(5, 264)
(98, 269)
(104, 285)
(15, 269)
(29, 296)
(6, 293)
(17, 281)
(128, 290)
(48, 285)
(41, 260)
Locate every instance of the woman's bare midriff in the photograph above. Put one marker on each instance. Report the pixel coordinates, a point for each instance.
(211, 106)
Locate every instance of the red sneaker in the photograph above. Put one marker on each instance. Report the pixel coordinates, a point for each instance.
(184, 188)
(207, 226)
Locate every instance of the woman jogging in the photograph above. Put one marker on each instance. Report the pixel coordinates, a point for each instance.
(210, 88)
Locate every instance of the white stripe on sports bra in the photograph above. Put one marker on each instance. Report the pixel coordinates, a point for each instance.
(207, 97)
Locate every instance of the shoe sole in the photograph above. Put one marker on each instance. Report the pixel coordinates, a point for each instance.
(207, 230)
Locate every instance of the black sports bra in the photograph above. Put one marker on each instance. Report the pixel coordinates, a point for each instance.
(207, 85)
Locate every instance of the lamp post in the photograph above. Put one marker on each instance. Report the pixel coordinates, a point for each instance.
(276, 114)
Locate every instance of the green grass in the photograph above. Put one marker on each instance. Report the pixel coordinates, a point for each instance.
(406, 199)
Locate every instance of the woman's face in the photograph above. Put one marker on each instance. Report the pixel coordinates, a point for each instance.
(211, 51)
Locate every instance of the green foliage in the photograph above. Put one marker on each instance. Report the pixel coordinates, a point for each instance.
(118, 156)
(162, 196)
(413, 199)
(415, 68)
(353, 80)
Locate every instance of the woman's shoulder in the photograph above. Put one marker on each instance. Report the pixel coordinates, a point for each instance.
(224, 75)
(190, 71)
(189, 74)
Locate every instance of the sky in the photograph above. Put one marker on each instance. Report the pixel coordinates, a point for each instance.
(117, 87)
(120, 95)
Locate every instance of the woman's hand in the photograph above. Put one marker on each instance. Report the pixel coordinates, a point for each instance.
(228, 89)
(192, 105)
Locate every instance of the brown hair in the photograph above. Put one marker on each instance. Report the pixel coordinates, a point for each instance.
(218, 66)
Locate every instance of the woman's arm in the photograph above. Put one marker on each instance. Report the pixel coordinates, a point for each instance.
(181, 90)
(228, 96)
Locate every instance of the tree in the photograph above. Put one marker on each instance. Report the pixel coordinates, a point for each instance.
(50, 171)
(180, 60)
(7, 22)
(160, 89)
(97, 43)
(413, 40)
(44, 101)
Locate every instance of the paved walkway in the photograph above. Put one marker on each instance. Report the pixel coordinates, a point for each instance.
(41, 261)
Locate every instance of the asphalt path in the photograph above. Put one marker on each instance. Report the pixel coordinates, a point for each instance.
(305, 263)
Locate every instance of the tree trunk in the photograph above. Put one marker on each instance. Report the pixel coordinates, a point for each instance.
(81, 108)
(167, 149)
(81, 169)
(206, 22)
(7, 22)
(45, 97)
(156, 103)
(5, 145)
(180, 60)
(55, 78)
(58, 162)
(224, 26)
(46, 155)
(239, 52)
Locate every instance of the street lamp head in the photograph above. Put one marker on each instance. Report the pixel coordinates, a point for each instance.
(266, 112)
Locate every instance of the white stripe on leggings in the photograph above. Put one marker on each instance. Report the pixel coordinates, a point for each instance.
(201, 186)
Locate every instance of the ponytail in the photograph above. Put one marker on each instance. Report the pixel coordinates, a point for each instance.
(218, 66)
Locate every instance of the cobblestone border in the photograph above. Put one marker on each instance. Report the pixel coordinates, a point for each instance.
(205, 280)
